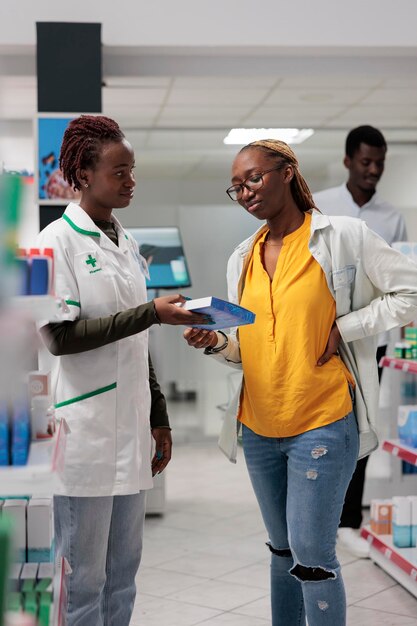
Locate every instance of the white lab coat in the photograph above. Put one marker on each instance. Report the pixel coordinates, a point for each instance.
(104, 393)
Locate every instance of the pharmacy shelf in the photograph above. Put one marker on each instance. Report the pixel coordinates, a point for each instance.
(400, 450)
(62, 570)
(400, 563)
(38, 308)
(41, 474)
(405, 365)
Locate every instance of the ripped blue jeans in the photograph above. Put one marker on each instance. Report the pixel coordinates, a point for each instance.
(300, 483)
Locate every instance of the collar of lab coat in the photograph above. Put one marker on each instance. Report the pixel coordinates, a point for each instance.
(82, 223)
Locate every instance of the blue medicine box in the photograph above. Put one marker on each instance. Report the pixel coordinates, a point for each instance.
(407, 425)
(224, 314)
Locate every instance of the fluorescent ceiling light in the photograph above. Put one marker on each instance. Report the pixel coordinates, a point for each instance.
(242, 136)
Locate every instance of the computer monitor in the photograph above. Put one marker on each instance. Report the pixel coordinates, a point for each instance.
(163, 250)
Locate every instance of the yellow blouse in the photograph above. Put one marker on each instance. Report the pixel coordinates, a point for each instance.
(285, 393)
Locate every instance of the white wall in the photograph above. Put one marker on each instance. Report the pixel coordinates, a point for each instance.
(399, 186)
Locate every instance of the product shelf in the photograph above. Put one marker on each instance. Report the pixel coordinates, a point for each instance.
(405, 365)
(62, 570)
(41, 474)
(400, 450)
(400, 563)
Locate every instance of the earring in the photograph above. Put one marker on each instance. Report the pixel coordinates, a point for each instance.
(86, 185)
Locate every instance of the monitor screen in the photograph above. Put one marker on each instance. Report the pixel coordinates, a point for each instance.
(163, 250)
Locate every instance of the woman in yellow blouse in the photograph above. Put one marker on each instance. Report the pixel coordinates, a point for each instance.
(299, 273)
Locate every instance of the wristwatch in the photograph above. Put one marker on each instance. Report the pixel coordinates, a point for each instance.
(218, 348)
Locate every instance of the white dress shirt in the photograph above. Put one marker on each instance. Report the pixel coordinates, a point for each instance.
(379, 215)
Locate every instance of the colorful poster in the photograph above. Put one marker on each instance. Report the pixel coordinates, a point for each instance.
(52, 186)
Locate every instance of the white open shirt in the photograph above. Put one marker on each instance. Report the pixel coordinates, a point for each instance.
(379, 215)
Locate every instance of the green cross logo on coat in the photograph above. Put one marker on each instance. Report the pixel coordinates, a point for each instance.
(91, 262)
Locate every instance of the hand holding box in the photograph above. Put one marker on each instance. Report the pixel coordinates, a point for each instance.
(223, 313)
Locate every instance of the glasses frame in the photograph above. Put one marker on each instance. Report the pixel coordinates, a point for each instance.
(244, 183)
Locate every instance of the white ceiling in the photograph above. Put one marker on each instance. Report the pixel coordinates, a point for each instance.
(177, 121)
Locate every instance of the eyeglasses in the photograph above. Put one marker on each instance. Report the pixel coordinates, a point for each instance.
(253, 183)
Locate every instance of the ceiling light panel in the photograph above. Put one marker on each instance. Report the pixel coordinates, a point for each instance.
(242, 136)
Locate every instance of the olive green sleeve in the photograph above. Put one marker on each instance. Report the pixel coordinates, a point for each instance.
(71, 337)
(159, 415)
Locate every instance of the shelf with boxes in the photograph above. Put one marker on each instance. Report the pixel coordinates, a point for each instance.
(405, 365)
(32, 453)
(400, 563)
(402, 442)
(37, 585)
(29, 463)
(41, 473)
(399, 449)
(392, 533)
(32, 446)
(33, 285)
(32, 556)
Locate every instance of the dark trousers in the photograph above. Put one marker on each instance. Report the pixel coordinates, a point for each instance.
(352, 508)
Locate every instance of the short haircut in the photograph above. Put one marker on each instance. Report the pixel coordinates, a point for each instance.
(363, 134)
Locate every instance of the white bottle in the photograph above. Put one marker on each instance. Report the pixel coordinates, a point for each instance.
(42, 414)
(401, 522)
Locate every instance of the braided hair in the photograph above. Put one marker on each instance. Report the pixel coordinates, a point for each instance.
(282, 151)
(82, 143)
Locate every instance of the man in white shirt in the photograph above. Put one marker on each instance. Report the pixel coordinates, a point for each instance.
(365, 153)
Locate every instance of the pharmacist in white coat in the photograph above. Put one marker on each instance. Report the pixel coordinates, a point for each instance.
(103, 381)
(365, 160)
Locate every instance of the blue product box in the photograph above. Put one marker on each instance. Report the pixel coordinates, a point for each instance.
(16, 510)
(407, 425)
(401, 536)
(413, 503)
(4, 435)
(39, 277)
(223, 313)
(20, 432)
(23, 277)
(4, 444)
(40, 530)
(401, 521)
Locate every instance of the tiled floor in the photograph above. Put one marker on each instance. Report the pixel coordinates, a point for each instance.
(205, 561)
